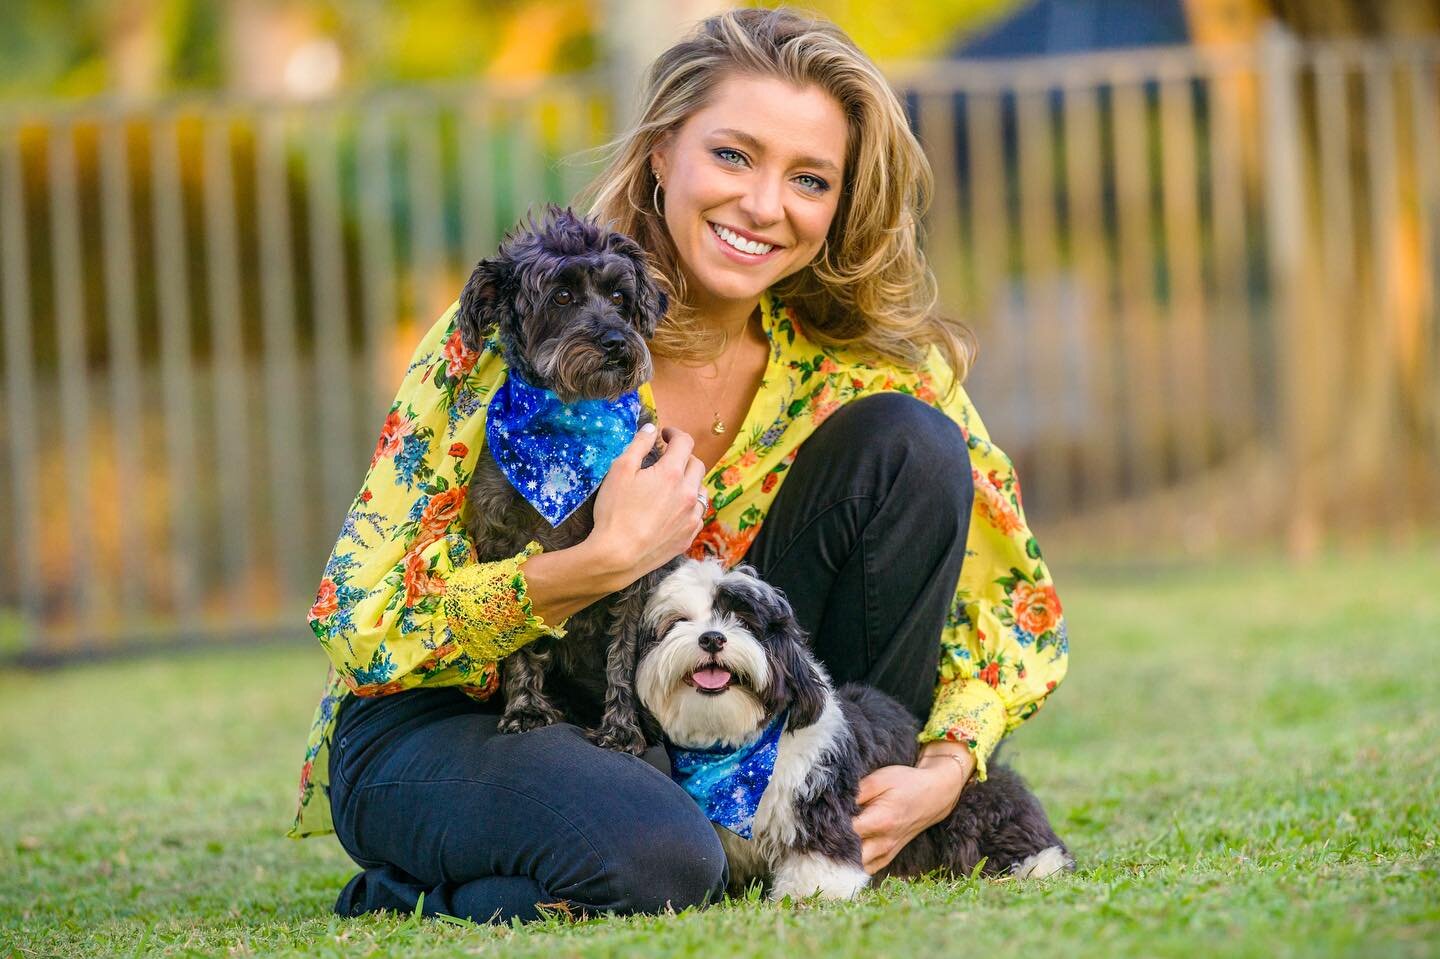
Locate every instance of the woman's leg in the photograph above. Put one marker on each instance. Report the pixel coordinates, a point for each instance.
(431, 799)
(867, 537)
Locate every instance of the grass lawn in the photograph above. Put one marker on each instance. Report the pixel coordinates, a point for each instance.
(1245, 761)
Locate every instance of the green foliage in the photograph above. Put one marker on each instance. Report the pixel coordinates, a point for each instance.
(1246, 761)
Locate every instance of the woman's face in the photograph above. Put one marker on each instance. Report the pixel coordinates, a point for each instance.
(750, 184)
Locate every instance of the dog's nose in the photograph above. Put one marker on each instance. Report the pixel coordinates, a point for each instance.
(612, 341)
(712, 642)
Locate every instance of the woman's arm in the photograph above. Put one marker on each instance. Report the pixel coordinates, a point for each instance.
(1004, 650)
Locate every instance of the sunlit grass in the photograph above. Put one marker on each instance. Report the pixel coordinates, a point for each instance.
(1245, 761)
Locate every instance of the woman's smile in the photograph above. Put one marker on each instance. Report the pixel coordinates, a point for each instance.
(744, 247)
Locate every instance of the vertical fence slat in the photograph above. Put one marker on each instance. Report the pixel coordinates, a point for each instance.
(74, 400)
(177, 367)
(527, 160)
(1144, 400)
(1189, 399)
(126, 419)
(942, 234)
(477, 182)
(1286, 239)
(1234, 368)
(377, 256)
(230, 365)
(429, 278)
(277, 291)
(1380, 359)
(1427, 193)
(1338, 310)
(19, 387)
(1052, 409)
(989, 220)
(335, 435)
(1084, 175)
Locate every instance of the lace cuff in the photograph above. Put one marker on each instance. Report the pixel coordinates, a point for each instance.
(488, 607)
(967, 711)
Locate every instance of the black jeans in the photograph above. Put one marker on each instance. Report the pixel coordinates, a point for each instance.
(866, 537)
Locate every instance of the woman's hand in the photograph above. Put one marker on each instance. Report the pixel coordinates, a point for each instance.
(645, 517)
(898, 803)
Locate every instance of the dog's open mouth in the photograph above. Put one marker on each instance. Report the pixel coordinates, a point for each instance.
(710, 679)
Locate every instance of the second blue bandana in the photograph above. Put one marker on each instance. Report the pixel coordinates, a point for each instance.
(728, 783)
(555, 454)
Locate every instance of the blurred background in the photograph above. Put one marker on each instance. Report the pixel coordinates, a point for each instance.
(1198, 242)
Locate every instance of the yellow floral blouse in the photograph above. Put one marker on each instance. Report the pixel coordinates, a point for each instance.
(403, 603)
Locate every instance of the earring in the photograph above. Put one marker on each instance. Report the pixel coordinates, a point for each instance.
(655, 198)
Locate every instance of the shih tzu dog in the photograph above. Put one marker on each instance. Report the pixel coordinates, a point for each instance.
(775, 755)
(571, 305)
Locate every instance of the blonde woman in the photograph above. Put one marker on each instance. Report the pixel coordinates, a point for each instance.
(810, 395)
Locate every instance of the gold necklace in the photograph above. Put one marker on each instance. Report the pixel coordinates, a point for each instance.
(718, 426)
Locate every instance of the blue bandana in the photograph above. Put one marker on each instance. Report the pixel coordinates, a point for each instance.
(726, 782)
(554, 454)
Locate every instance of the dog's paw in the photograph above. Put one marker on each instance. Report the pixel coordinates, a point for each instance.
(801, 875)
(630, 741)
(1045, 863)
(522, 721)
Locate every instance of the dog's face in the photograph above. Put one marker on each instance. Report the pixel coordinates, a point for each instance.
(574, 304)
(720, 655)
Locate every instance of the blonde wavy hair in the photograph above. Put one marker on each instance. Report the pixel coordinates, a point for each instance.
(871, 289)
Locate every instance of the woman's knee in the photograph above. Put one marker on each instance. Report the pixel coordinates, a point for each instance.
(904, 444)
(671, 858)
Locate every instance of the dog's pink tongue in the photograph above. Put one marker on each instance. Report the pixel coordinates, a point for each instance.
(711, 677)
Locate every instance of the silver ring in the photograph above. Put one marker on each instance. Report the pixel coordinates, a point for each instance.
(702, 499)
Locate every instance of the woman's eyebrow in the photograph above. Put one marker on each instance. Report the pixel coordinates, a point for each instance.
(754, 144)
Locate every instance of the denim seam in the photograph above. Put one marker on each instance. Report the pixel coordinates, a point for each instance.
(819, 514)
(511, 789)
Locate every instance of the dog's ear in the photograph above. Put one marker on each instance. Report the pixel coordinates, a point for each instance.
(483, 302)
(798, 676)
(650, 301)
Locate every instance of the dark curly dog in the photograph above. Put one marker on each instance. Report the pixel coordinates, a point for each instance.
(573, 305)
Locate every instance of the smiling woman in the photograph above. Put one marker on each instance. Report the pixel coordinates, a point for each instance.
(804, 377)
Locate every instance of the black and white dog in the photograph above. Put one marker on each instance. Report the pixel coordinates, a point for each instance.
(572, 305)
(721, 656)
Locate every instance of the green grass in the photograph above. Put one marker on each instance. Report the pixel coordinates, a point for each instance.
(1246, 761)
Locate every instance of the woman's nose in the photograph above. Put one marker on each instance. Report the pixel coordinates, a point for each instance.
(763, 203)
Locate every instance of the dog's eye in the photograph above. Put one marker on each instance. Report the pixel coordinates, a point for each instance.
(563, 297)
(617, 298)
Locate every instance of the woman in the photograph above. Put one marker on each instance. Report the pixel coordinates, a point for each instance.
(816, 428)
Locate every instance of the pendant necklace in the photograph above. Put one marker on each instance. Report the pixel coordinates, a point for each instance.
(718, 426)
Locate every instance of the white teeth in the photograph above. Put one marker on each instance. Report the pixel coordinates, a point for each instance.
(739, 242)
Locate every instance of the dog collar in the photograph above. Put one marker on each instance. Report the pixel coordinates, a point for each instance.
(555, 454)
(728, 782)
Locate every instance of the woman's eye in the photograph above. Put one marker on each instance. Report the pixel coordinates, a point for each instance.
(617, 298)
(563, 297)
(812, 183)
(734, 157)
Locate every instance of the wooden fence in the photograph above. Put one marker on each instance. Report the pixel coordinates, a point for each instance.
(1203, 281)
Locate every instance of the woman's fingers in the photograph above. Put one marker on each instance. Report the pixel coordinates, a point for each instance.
(634, 454)
(678, 445)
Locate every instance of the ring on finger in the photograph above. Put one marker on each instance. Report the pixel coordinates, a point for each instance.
(703, 500)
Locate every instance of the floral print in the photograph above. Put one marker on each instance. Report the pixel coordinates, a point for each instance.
(403, 603)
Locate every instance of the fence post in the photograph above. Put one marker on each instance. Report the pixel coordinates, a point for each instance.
(1284, 178)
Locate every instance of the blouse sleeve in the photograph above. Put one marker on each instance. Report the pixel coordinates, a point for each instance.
(403, 602)
(1005, 646)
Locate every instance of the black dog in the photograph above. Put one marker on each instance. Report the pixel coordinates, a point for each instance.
(573, 305)
(722, 656)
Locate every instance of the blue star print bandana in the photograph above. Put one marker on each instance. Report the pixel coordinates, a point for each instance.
(728, 783)
(554, 454)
